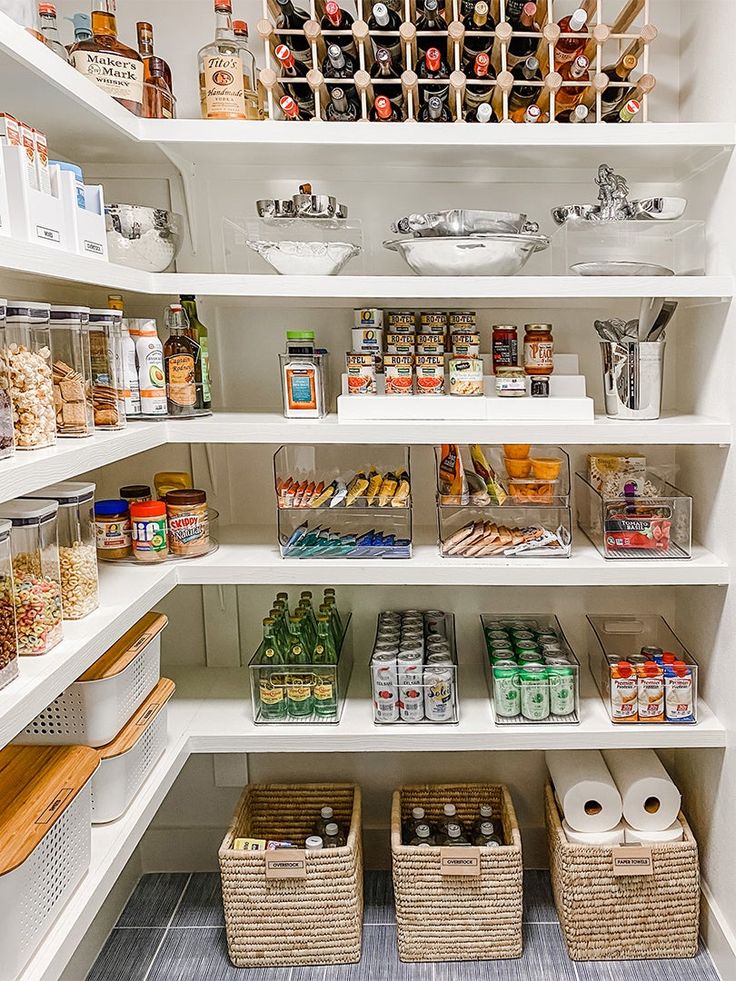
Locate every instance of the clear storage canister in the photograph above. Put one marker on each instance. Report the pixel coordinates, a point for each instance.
(71, 371)
(36, 578)
(8, 637)
(26, 352)
(77, 551)
(106, 354)
(7, 444)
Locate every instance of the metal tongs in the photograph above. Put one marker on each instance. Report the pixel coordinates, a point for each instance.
(654, 316)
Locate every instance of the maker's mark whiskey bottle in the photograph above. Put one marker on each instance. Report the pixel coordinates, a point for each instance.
(225, 90)
(111, 65)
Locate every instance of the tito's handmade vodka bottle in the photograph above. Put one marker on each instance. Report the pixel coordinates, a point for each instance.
(226, 90)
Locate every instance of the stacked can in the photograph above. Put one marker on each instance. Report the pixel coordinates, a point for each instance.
(534, 672)
(413, 668)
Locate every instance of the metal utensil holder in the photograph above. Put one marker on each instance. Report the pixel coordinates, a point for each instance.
(632, 378)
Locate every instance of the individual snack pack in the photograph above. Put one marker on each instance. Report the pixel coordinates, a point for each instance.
(480, 539)
(367, 488)
(322, 542)
(538, 475)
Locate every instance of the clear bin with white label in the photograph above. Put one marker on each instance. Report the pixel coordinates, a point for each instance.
(612, 640)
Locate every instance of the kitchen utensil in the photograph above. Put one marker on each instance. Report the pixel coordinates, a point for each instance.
(461, 222)
(489, 255)
(142, 238)
(649, 309)
(291, 258)
(632, 378)
(665, 315)
(618, 267)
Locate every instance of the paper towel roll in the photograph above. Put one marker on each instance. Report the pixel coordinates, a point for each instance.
(673, 833)
(613, 837)
(585, 788)
(651, 801)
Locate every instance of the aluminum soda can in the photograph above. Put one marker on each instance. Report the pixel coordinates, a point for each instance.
(506, 690)
(411, 692)
(385, 688)
(561, 690)
(435, 621)
(556, 660)
(439, 692)
(534, 682)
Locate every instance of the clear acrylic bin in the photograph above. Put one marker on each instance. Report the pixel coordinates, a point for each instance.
(293, 246)
(656, 526)
(408, 687)
(671, 697)
(330, 503)
(538, 475)
(597, 247)
(505, 532)
(288, 691)
(530, 697)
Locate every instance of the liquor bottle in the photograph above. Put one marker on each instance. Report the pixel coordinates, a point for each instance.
(614, 96)
(384, 111)
(115, 301)
(111, 65)
(47, 18)
(337, 19)
(338, 64)
(532, 114)
(418, 818)
(158, 101)
(483, 114)
(454, 836)
(422, 837)
(627, 112)
(579, 114)
(325, 651)
(486, 836)
(433, 67)
(144, 31)
(199, 334)
(240, 30)
(292, 69)
(293, 18)
(432, 28)
(520, 48)
(384, 19)
(290, 109)
(568, 96)
(180, 357)
(341, 109)
(383, 70)
(82, 24)
(224, 90)
(476, 42)
(485, 814)
(334, 838)
(326, 816)
(521, 94)
(482, 70)
(568, 48)
(514, 10)
(449, 816)
(271, 689)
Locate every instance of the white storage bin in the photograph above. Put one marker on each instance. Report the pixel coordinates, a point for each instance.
(87, 232)
(45, 842)
(35, 216)
(94, 709)
(4, 204)
(126, 762)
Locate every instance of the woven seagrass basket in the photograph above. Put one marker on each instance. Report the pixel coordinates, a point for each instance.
(314, 920)
(607, 917)
(451, 918)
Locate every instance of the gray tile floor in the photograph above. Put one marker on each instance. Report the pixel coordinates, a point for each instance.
(172, 930)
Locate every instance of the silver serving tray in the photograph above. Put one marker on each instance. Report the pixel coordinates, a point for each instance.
(643, 209)
(477, 255)
(616, 267)
(460, 222)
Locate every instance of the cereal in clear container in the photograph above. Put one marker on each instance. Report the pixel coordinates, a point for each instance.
(7, 442)
(8, 636)
(26, 360)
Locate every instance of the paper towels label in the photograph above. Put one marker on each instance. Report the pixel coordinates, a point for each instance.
(632, 860)
(460, 861)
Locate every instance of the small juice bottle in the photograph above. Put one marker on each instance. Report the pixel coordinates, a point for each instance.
(651, 692)
(624, 693)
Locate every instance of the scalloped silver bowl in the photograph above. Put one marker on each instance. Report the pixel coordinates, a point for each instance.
(143, 238)
(477, 255)
(305, 258)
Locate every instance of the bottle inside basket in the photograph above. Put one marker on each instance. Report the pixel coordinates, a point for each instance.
(449, 816)
(326, 816)
(422, 837)
(486, 836)
(454, 836)
(485, 813)
(334, 837)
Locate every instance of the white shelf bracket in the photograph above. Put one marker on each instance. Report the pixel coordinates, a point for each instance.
(187, 172)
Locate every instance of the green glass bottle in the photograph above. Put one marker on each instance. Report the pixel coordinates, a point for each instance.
(299, 700)
(309, 633)
(325, 692)
(283, 598)
(295, 639)
(271, 683)
(198, 333)
(325, 651)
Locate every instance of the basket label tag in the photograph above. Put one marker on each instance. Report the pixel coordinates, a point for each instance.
(144, 640)
(632, 860)
(286, 863)
(149, 714)
(460, 861)
(49, 812)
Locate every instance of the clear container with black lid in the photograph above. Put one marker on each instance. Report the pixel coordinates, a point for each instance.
(8, 635)
(7, 443)
(26, 357)
(106, 355)
(71, 371)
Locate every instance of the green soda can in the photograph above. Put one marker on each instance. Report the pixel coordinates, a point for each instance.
(526, 647)
(502, 654)
(506, 695)
(534, 683)
(561, 690)
(518, 634)
(530, 657)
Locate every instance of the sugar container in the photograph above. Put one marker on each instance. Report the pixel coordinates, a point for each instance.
(26, 357)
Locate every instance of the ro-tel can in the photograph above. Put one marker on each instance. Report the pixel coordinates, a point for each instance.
(399, 369)
(430, 344)
(534, 684)
(462, 321)
(439, 691)
(433, 322)
(385, 687)
(561, 689)
(430, 372)
(411, 694)
(505, 346)
(401, 321)
(361, 372)
(466, 344)
(401, 344)
(506, 690)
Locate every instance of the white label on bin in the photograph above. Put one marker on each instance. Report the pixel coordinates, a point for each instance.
(632, 860)
(51, 809)
(47, 234)
(460, 861)
(149, 713)
(286, 863)
(94, 247)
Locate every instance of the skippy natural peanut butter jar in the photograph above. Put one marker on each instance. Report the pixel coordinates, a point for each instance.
(189, 528)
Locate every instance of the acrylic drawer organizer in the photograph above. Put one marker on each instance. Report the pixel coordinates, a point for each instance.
(293, 246)
(609, 248)
(46, 842)
(407, 690)
(94, 709)
(613, 639)
(126, 762)
(311, 693)
(614, 28)
(551, 696)
(349, 502)
(534, 520)
(656, 525)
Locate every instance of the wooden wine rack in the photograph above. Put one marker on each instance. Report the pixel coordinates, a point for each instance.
(626, 30)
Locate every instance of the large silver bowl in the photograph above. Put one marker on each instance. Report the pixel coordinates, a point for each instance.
(478, 255)
(460, 222)
(305, 258)
(142, 238)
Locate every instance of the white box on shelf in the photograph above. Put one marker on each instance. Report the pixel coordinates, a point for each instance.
(34, 216)
(4, 203)
(87, 225)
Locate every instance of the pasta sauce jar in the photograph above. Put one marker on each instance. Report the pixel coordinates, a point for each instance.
(505, 346)
(538, 349)
(189, 527)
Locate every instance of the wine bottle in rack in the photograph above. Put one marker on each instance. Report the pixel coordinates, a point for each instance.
(614, 96)
(532, 114)
(384, 19)
(434, 110)
(573, 39)
(568, 96)
(384, 111)
(513, 12)
(478, 32)
(432, 67)
(580, 114)
(520, 47)
(338, 63)
(291, 110)
(337, 19)
(483, 72)
(432, 28)
(522, 94)
(382, 70)
(340, 108)
(293, 19)
(629, 111)
(297, 72)
(482, 114)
